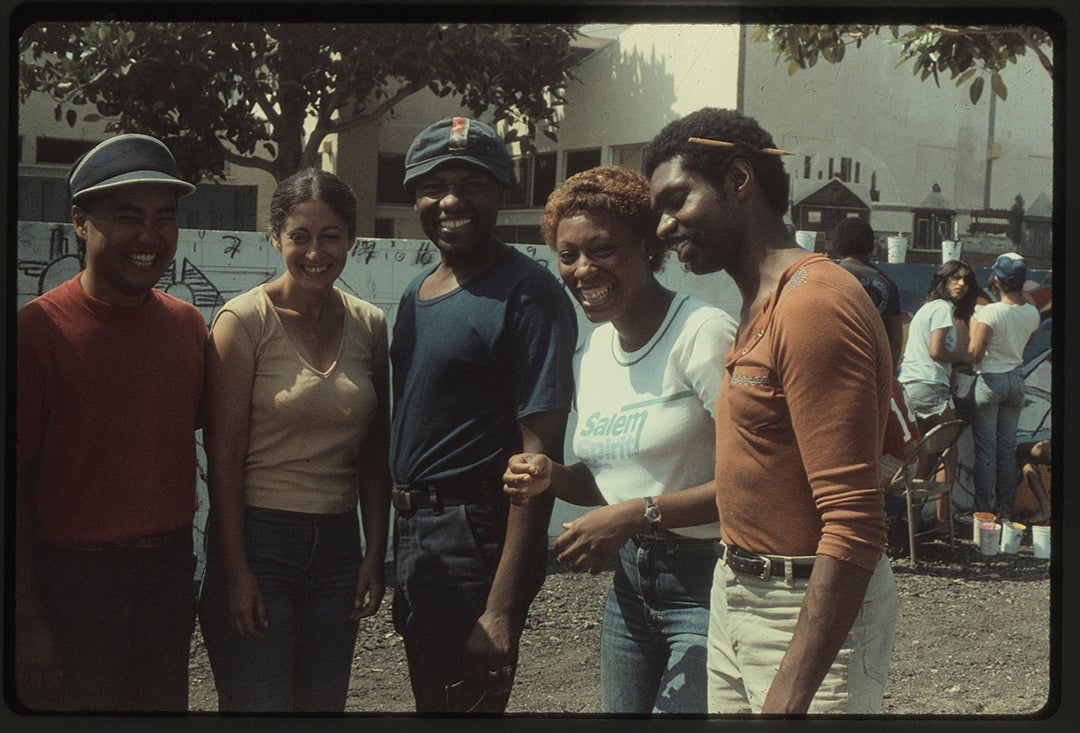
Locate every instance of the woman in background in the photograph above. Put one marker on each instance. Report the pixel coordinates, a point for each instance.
(647, 381)
(1000, 332)
(296, 433)
(931, 350)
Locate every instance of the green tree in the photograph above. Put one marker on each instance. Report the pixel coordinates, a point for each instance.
(265, 95)
(970, 54)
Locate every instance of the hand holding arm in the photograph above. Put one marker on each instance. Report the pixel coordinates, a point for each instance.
(592, 540)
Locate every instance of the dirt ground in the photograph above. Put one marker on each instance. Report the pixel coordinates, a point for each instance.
(973, 639)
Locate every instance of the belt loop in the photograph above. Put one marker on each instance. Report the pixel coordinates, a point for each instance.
(789, 571)
(723, 555)
(433, 495)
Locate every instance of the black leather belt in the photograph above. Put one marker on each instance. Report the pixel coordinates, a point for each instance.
(437, 494)
(764, 566)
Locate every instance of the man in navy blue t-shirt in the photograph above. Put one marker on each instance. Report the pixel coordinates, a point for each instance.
(481, 356)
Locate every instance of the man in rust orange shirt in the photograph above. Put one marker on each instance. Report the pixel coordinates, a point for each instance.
(804, 603)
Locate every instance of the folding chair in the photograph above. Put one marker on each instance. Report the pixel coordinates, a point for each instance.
(927, 476)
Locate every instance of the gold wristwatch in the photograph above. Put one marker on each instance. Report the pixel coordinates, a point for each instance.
(652, 513)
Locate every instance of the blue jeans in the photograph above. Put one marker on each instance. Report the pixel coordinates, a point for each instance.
(306, 566)
(123, 619)
(445, 562)
(656, 627)
(998, 401)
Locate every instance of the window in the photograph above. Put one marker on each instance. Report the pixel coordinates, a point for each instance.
(856, 172)
(61, 151)
(384, 228)
(532, 179)
(806, 170)
(581, 160)
(388, 188)
(628, 156)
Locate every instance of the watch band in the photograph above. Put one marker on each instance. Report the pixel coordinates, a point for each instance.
(652, 513)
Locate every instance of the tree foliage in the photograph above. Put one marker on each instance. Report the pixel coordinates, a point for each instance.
(243, 92)
(970, 54)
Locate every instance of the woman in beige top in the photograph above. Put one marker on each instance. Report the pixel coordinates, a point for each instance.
(297, 419)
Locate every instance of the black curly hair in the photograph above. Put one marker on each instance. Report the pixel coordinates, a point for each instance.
(713, 162)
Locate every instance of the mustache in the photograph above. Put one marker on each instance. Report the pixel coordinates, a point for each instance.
(673, 241)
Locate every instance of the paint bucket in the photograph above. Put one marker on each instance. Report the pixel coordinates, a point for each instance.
(989, 538)
(897, 249)
(806, 239)
(1011, 533)
(1040, 540)
(977, 519)
(950, 250)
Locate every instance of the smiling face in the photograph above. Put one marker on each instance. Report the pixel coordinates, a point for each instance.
(695, 219)
(314, 244)
(458, 205)
(604, 265)
(131, 235)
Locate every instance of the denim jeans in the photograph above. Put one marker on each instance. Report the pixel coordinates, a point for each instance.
(445, 562)
(998, 401)
(656, 626)
(752, 622)
(306, 566)
(123, 620)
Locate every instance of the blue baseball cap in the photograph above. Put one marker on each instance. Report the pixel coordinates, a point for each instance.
(456, 139)
(1011, 269)
(124, 160)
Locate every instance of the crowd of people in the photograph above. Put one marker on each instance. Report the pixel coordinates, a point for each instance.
(732, 463)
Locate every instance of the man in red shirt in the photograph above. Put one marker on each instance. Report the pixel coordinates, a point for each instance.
(109, 382)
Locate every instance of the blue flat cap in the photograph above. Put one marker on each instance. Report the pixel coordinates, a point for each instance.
(124, 160)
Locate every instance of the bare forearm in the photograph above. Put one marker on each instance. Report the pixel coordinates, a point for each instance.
(833, 598)
(687, 508)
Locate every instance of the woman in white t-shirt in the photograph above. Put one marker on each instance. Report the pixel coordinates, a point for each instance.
(931, 351)
(1001, 331)
(647, 380)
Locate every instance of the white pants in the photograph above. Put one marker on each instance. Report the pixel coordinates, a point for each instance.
(751, 624)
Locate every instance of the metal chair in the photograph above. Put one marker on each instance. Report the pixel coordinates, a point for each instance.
(928, 475)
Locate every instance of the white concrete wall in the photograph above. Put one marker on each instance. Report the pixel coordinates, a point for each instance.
(911, 132)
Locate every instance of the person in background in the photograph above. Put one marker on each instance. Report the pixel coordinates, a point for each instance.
(930, 351)
(804, 604)
(109, 380)
(655, 362)
(482, 350)
(853, 243)
(298, 406)
(1000, 332)
(1032, 504)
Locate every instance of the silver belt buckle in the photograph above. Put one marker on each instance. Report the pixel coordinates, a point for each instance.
(767, 572)
(405, 497)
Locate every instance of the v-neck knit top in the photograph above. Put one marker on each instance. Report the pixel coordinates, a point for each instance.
(308, 427)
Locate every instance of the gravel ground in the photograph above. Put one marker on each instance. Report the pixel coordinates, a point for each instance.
(973, 639)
